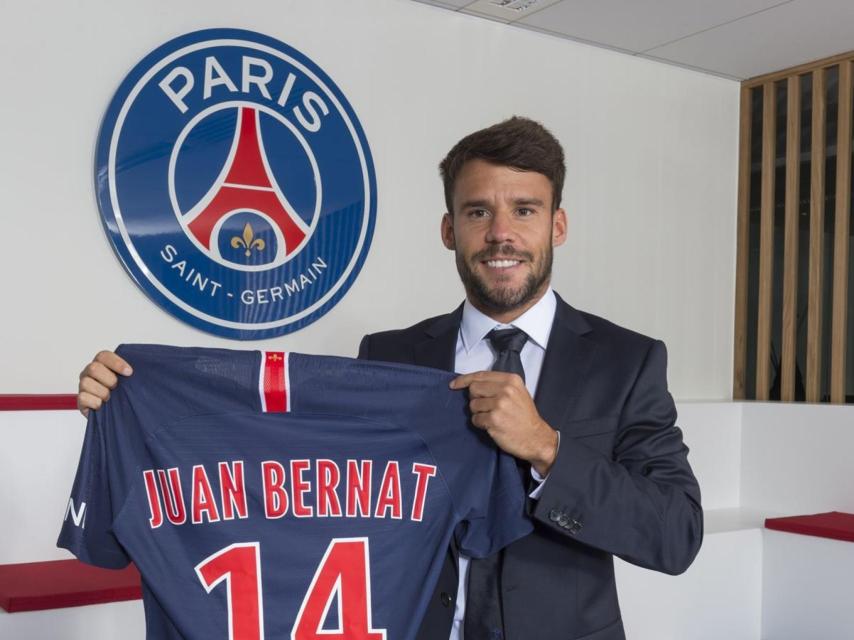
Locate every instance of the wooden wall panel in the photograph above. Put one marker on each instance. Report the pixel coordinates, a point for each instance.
(839, 325)
(788, 360)
(742, 248)
(816, 255)
(807, 272)
(766, 242)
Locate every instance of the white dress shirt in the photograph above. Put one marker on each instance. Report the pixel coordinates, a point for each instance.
(474, 353)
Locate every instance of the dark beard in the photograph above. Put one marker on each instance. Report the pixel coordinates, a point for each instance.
(502, 300)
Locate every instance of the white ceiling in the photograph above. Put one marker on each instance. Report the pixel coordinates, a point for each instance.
(737, 39)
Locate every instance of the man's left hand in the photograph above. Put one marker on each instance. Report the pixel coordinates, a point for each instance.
(501, 405)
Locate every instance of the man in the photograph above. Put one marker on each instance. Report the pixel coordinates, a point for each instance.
(580, 402)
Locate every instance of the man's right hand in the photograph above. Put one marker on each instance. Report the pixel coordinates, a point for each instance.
(96, 380)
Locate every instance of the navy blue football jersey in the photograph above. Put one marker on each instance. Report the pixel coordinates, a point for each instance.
(281, 495)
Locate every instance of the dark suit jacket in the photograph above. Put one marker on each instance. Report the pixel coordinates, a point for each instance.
(621, 484)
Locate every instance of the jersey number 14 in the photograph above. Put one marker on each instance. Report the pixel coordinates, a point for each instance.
(343, 574)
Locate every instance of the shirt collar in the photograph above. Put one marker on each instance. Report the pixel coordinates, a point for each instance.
(536, 322)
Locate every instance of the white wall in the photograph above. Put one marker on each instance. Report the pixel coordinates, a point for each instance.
(36, 475)
(651, 186)
(800, 457)
(807, 586)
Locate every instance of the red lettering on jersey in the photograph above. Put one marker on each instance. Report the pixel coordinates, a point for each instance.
(424, 473)
(232, 492)
(344, 574)
(203, 500)
(389, 496)
(239, 566)
(299, 487)
(275, 497)
(153, 494)
(328, 477)
(173, 497)
(359, 488)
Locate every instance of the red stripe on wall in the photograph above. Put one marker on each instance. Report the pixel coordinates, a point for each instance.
(33, 586)
(37, 402)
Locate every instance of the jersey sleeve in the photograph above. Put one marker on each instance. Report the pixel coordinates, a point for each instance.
(494, 505)
(485, 483)
(168, 383)
(87, 527)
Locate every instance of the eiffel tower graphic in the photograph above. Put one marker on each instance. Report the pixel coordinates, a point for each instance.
(246, 183)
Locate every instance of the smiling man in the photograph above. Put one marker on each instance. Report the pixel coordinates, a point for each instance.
(503, 237)
(580, 402)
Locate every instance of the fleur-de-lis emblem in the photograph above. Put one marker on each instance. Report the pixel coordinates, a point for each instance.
(248, 241)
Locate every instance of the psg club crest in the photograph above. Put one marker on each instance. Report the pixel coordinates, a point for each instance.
(236, 184)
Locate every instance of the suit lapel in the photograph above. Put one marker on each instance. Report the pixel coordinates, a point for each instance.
(568, 357)
(439, 347)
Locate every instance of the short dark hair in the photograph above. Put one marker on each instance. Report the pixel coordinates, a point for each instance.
(519, 143)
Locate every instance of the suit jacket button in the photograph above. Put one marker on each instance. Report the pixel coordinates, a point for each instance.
(445, 599)
(554, 515)
(575, 527)
(563, 520)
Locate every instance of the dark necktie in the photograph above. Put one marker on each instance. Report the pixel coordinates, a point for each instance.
(483, 618)
(508, 345)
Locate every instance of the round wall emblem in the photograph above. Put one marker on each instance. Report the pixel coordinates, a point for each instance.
(236, 184)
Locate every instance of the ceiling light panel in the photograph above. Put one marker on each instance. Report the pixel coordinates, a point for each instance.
(507, 10)
(446, 4)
